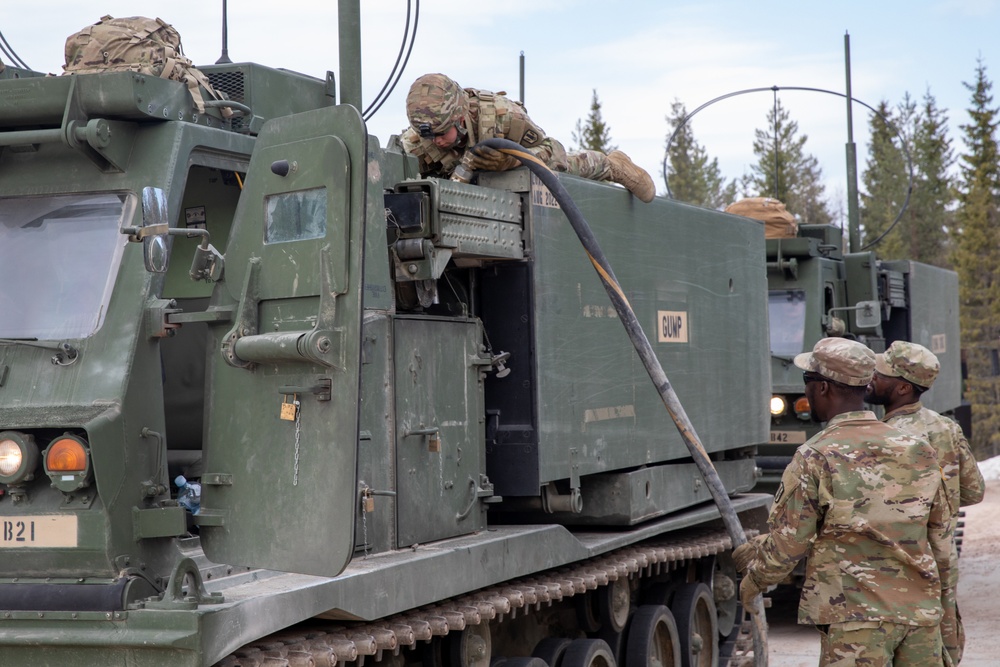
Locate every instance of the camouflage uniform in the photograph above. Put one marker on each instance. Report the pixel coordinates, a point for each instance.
(866, 504)
(963, 480)
(491, 115)
(875, 644)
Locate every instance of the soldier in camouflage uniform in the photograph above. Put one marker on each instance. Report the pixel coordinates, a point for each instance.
(866, 503)
(902, 374)
(447, 120)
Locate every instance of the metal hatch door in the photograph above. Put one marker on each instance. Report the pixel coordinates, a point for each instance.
(279, 487)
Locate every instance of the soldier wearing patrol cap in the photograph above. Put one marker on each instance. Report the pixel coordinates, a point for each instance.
(902, 374)
(447, 120)
(866, 504)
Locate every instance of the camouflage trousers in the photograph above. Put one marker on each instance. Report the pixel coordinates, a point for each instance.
(589, 164)
(874, 644)
(592, 165)
(952, 631)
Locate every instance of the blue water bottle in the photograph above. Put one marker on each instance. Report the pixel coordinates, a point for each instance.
(188, 494)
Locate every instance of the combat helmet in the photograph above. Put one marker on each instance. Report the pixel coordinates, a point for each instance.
(435, 103)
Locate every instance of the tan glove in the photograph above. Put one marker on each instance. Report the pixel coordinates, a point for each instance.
(746, 553)
(748, 591)
(490, 159)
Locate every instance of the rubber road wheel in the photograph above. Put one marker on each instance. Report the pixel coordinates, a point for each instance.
(697, 625)
(652, 639)
(614, 601)
(525, 662)
(588, 653)
(551, 650)
(470, 647)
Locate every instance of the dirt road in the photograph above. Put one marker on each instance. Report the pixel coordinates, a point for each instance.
(793, 645)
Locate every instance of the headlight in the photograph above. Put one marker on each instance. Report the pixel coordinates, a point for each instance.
(18, 457)
(802, 409)
(778, 406)
(67, 463)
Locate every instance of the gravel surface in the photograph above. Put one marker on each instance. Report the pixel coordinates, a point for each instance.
(793, 645)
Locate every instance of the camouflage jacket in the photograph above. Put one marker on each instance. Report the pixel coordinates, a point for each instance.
(965, 482)
(491, 115)
(866, 503)
(962, 478)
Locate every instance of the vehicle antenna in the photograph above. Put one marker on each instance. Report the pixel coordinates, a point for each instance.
(522, 77)
(853, 209)
(224, 58)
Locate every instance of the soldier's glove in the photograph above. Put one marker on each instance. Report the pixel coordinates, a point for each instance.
(490, 159)
(747, 552)
(748, 591)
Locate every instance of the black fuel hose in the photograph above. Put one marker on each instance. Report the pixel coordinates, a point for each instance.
(649, 360)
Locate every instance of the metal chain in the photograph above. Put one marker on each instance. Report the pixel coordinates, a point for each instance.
(298, 431)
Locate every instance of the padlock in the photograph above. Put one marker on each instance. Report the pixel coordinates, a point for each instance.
(369, 503)
(434, 442)
(289, 410)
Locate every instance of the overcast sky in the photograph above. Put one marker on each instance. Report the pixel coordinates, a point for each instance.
(639, 55)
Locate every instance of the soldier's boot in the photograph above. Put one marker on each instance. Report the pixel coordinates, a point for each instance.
(635, 178)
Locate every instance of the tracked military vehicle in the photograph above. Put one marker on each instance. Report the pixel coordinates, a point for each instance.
(421, 434)
(818, 286)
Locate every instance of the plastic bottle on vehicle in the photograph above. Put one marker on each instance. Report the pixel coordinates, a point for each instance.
(188, 494)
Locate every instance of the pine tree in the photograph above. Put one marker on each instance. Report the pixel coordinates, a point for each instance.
(977, 260)
(693, 178)
(884, 184)
(931, 217)
(923, 232)
(595, 135)
(784, 171)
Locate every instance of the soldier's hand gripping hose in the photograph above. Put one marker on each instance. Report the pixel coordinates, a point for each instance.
(652, 365)
(485, 158)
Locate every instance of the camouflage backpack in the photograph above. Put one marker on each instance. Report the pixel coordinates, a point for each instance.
(136, 44)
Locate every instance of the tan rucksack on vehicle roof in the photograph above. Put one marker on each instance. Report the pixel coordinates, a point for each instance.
(778, 222)
(136, 44)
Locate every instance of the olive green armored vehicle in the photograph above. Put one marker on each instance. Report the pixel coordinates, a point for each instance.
(819, 286)
(420, 432)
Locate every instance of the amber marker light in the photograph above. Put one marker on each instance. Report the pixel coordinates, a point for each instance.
(66, 455)
(802, 409)
(67, 463)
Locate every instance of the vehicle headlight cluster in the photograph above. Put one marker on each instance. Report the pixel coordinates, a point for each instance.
(801, 409)
(66, 460)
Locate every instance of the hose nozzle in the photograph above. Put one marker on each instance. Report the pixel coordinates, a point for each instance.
(464, 172)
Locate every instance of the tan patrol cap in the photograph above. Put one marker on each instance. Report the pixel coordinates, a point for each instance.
(839, 359)
(910, 361)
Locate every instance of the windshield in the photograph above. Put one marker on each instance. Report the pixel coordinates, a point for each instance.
(786, 312)
(59, 258)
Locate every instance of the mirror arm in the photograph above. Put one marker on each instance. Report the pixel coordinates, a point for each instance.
(870, 309)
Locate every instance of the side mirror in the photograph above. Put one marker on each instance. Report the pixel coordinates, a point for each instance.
(157, 240)
(867, 314)
(155, 231)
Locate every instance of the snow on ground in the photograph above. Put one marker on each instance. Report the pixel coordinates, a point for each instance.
(990, 468)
